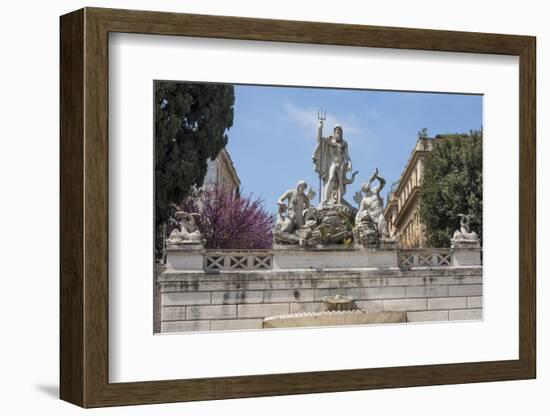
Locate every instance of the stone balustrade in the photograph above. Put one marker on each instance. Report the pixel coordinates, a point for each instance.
(216, 261)
(223, 260)
(430, 257)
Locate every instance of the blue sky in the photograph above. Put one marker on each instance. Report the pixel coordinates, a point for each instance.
(274, 132)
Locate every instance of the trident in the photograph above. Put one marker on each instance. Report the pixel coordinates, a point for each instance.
(322, 116)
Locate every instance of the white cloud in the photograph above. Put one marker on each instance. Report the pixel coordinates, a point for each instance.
(306, 120)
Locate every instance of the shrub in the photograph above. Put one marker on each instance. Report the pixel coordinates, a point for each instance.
(230, 220)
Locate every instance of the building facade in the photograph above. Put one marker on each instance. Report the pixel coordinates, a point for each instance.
(222, 171)
(402, 212)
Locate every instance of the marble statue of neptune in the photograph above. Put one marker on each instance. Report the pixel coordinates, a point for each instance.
(332, 162)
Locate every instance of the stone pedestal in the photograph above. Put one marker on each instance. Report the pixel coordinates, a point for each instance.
(185, 256)
(466, 256)
(463, 243)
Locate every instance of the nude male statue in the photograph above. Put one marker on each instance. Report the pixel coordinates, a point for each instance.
(332, 161)
(298, 202)
(371, 204)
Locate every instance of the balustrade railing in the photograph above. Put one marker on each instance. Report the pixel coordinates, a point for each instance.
(430, 257)
(221, 260)
(237, 260)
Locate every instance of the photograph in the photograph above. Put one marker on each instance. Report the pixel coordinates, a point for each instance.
(297, 206)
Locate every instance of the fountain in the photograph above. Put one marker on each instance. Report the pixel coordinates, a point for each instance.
(337, 310)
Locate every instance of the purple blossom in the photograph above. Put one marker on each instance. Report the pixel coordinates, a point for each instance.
(231, 221)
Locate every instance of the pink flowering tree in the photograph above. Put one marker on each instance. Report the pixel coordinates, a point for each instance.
(229, 220)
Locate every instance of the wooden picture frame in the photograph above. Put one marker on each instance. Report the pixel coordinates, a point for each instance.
(84, 207)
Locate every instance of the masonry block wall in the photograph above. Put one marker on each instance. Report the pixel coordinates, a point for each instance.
(195, 301)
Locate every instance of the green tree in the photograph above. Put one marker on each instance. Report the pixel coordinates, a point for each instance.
(191, 121)
(452, 185)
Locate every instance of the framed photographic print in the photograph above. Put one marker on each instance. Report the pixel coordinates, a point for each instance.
(255, 207)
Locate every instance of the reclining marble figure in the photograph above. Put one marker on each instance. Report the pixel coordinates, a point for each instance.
(187, 231)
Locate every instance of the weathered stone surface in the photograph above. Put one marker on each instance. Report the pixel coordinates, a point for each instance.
(321, 293)
(333, 259)
(370, 305)
(466, 290)
(392, 274)
(211, 312)
(185, 298)
(337, 283)
(447, 303)
(193, 286)
(466, 257)
(427, 291)
(273, 296)
(427, 316)
(454, 280)
(251, 294)
(279, 284)
(173, 313)
(426, 280)
(306, 307)
(405, 304)
(185, 326)
(185, 259)
(236, 324)
(465, 315)
(475, 302)
(263, 310)
(240, 296)
(382, 293)
(353, 292)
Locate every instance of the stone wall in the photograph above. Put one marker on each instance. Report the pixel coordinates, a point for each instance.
(235, 300)
(157, 297)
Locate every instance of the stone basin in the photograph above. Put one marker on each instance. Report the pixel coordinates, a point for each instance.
(338, 303)
(333, 318)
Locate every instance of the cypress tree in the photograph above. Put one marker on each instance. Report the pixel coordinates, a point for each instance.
(191, 123)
